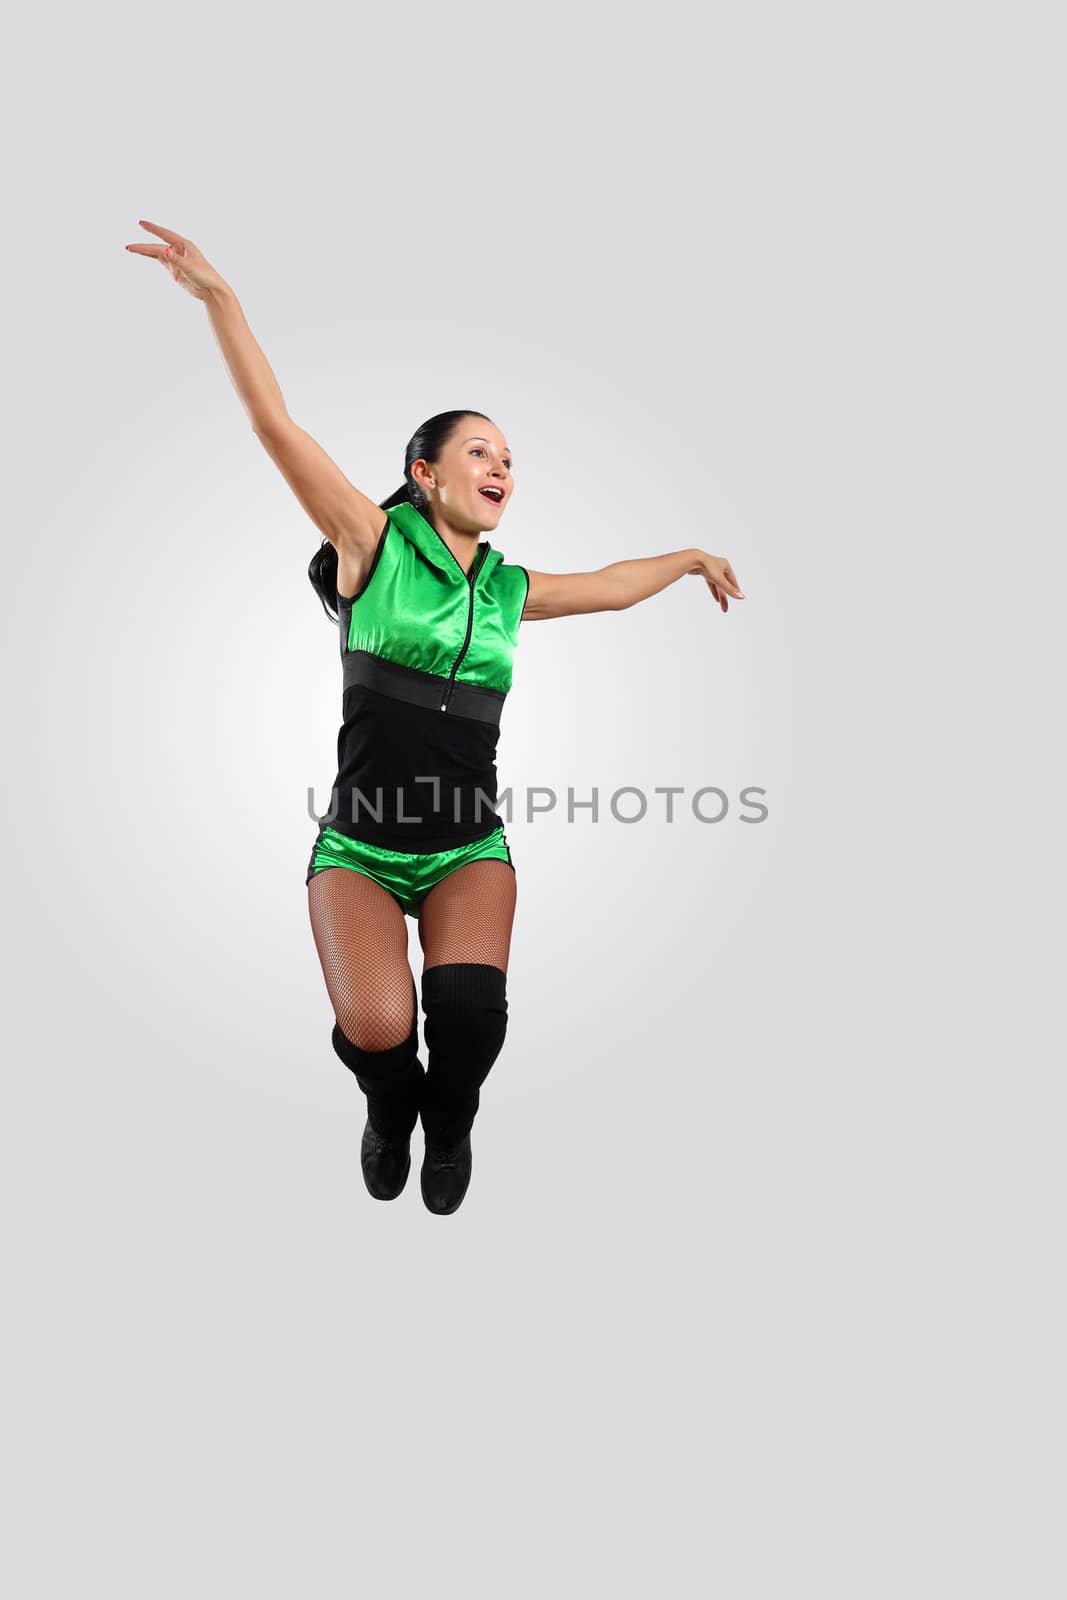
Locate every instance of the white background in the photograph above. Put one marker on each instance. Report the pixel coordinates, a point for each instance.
(755, 1290)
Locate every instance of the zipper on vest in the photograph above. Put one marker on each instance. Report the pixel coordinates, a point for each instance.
(475, 569)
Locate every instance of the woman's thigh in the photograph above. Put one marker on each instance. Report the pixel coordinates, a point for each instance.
(362, 940)
(469, 915)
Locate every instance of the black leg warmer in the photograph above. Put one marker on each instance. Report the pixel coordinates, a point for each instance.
(466, 1019)
(392, 1080)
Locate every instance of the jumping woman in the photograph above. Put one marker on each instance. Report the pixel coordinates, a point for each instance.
(428, 615)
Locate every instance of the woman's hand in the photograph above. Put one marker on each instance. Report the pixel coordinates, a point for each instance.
(182, 260)
(719, 575)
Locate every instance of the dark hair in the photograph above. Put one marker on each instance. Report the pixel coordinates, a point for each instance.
(425, 444)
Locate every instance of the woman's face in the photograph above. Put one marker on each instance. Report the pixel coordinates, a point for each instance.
(475, 459)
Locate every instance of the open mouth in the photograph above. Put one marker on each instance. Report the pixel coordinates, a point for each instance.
(496, 495)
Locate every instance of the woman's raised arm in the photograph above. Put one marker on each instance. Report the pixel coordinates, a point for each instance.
(351, 521)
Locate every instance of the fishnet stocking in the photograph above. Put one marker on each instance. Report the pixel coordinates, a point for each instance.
(468, 916)
(361, 937)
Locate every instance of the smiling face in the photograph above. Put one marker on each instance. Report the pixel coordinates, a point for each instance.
(475, 460)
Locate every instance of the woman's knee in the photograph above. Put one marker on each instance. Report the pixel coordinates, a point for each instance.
(378, 1018)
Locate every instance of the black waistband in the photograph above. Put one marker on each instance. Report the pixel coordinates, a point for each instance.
(457, 838)
(422, 688)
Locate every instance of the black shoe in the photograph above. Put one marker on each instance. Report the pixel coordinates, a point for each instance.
(446, 1172)
(385, 1162)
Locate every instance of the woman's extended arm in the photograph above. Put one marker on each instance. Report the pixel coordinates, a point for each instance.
(348, 518)
(623, 584)
(344, 514)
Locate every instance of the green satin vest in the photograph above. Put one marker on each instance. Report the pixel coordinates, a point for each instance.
(418, 608)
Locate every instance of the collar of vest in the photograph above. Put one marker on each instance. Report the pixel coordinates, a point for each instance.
(421, 533)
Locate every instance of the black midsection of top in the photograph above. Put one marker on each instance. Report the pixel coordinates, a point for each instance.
(409, 776)
(427, 689)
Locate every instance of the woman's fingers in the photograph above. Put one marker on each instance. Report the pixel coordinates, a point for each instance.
(182, 260)
(164, 233)
(724, 574)
(176, 244)
(728, 574)
(155, 252)
(726, 580)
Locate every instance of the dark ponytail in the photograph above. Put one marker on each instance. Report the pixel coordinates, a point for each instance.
(425, 444)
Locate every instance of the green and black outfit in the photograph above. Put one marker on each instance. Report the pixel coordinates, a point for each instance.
(426, 651)
(427, 654)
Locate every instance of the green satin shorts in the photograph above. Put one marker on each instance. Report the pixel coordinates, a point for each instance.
(406, 876)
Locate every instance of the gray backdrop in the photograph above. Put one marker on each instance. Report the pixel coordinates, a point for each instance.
(755, 1291)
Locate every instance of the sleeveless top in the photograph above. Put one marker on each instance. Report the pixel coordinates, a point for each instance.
(427, 653)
